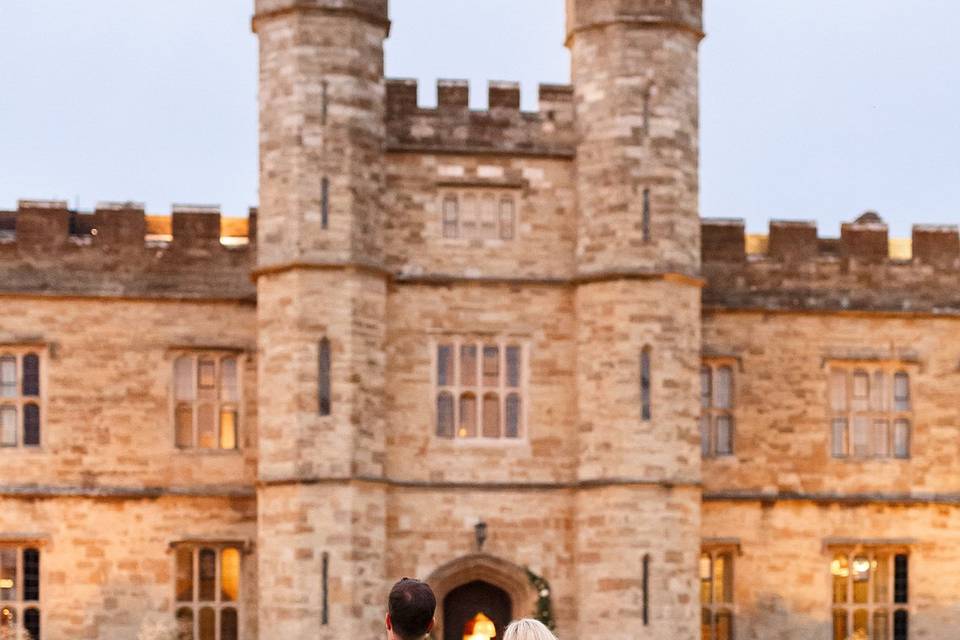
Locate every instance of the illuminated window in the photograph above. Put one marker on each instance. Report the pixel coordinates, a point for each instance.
(870, 594)
(716, 409)
(207, 592)
(870, 412)
(478, 214)
(20, 398)
(20, 591)
(206, 407)
(479, 389)
(716, 595)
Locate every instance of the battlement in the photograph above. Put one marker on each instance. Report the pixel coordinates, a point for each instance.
(862, 269)
(452, 127)
(118, 250)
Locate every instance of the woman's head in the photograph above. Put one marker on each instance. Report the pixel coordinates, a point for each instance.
(528, 629)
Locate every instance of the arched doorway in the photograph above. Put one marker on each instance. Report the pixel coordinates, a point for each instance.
(466, 601)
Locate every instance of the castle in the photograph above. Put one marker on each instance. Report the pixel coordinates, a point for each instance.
(498, 351)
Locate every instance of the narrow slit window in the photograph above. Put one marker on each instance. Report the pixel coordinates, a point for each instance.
(645, 365)
(31, 425)
(31, 375)
(324, 589)
(645, 587)
(451, 217)
(323, 378)
(645, 223)
(325, 202)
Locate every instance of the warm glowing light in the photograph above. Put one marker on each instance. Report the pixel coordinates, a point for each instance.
(861, 565)
(6, 583)
(479, 628)
(838, 568)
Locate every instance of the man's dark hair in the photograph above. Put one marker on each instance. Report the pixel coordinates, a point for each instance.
(411, 608)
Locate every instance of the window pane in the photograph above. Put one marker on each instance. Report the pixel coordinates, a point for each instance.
(228, 428)
(229, 575)
(724, 388)
(881, 438)
(724, 435)
(206, 427)
(8, 377)
(184, 426)
(184, 584)
(468, 416)
(861, 579)
(901, 439)
(861, 621)
(861, 390)
(468, 365)
(719, 578)
(706, 624)
(445, 415)
(705, 435)
(444, 365)
(839, 438)
(900, 579)
(840, 570)
(901, 629)
(207, 575)
(705, 387)
(881, 580)
(491, 366)
(31, 425)
(507, 220)
(184, 624)
(724, 626)
(861, 437)
(727, 580)
(901, 392)
(8, 574)
(206, 374)
(229, 626)
(513, 416)
(8, 618)
(838, 390)
(491, 416)
(324, 392)
(877, 391)
(450, 217)
(881, 622)
(31, 375)
(183, 378)
(229, 381)
(8, 426)
(488, 218)
(840, 625)
(31, 622)
(31, 575)
(468, 217)
(706, 579)
(208, 624)
(513, 366)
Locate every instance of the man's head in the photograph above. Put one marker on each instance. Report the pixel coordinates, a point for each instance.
(410, 610)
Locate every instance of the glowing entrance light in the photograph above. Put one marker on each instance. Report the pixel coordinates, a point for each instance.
(479, 628)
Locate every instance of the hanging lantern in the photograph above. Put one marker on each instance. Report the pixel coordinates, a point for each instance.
(479, 628)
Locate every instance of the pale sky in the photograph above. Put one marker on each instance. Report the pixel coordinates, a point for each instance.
(814, 109)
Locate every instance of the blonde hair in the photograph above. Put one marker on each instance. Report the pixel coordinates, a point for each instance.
(528, 629)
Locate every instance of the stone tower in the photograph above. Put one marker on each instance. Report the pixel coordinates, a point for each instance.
(638, 309)
(321, 302)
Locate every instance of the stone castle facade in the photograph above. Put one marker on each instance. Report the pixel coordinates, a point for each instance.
(439, 318)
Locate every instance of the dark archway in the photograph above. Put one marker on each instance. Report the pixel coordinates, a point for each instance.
(466, 601)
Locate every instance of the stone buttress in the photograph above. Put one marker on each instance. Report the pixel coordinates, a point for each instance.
(635, 82)
(320, 277)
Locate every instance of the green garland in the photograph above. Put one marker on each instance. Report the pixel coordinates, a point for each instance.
(544, 608)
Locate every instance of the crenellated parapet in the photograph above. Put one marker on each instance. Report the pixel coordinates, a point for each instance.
(453, 127)
(793, 269)
(119, 251)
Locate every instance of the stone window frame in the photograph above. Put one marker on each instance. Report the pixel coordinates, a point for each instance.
(218, 354)
(846, 610)
(712, 412)
(19, 606)
(712, 610)
(19, 400)
(195, 605)
(887, 413)
(503, 389)
(452, 221)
